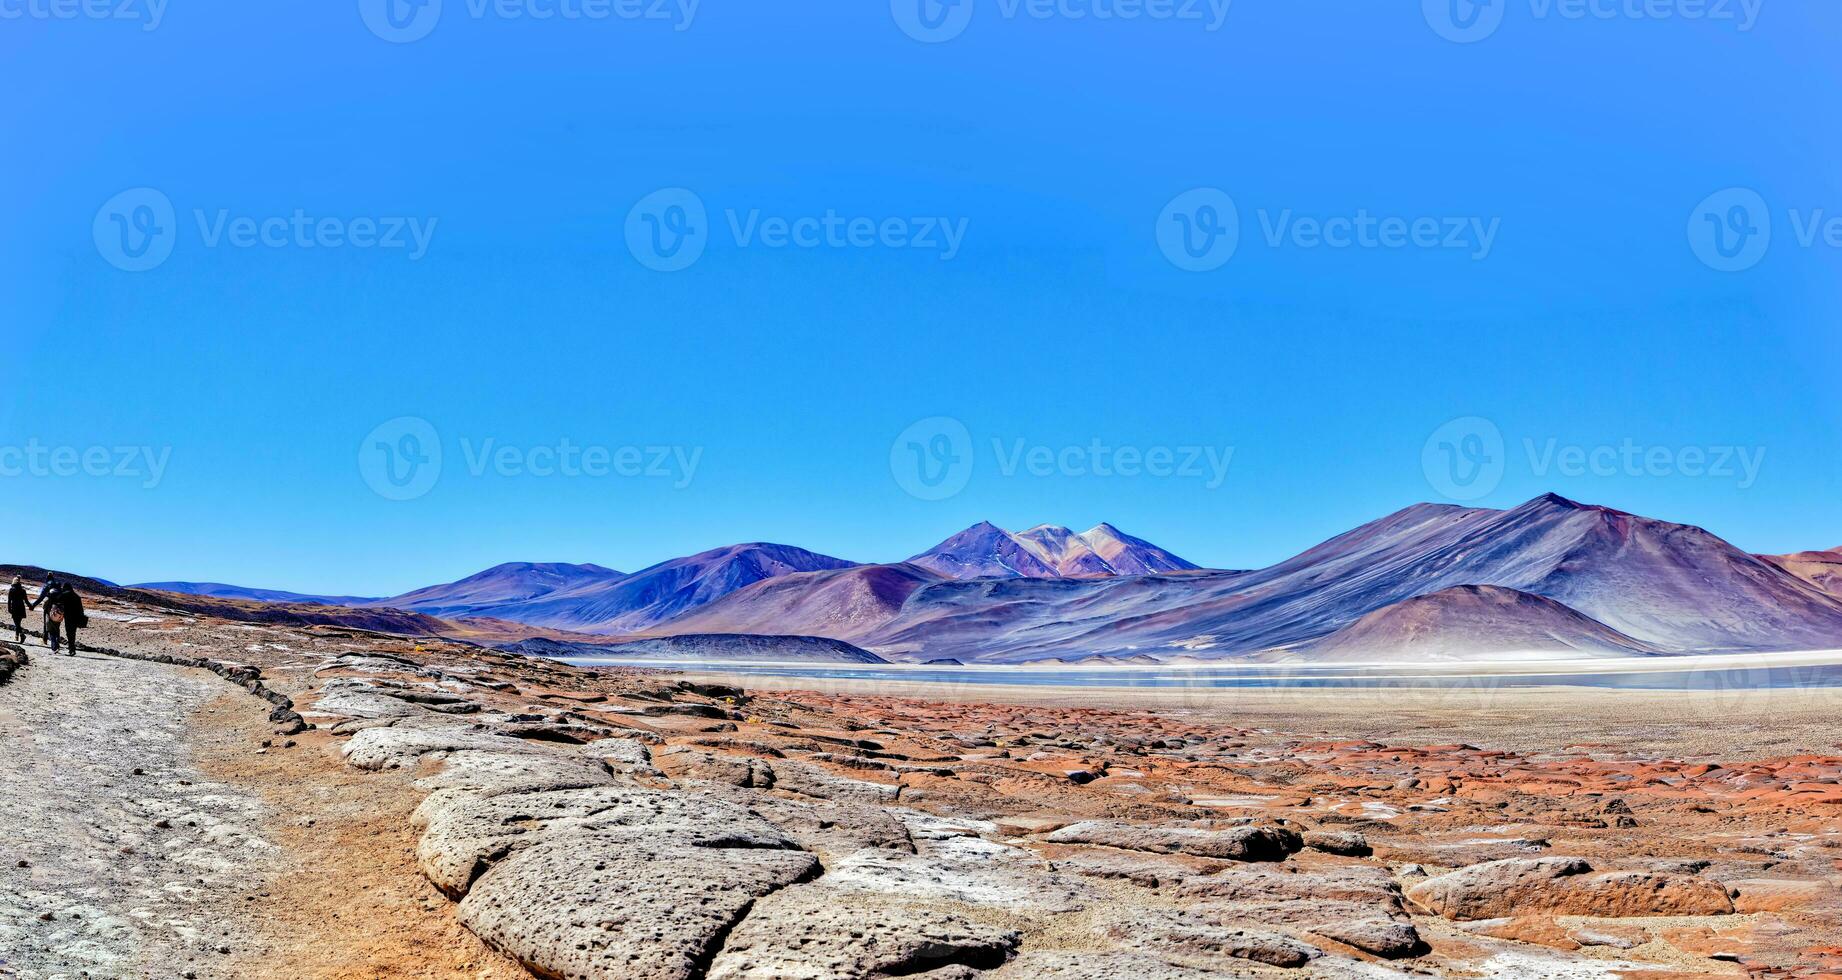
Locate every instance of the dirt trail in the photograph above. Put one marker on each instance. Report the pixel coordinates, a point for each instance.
(118, 857)
(233, 852)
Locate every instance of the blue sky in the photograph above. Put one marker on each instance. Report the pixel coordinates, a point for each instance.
(259, 375)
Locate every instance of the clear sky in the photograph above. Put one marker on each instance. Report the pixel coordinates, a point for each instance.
(1573, 285)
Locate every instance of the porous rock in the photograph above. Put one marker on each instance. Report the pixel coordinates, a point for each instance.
(623, 909)
(1566, 886)
(1234, 843)
(471, 833)
(816, 933)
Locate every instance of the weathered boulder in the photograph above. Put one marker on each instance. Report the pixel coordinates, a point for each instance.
(1058, 965)
(1346, 843)
(810, 780)
(818, 933)
(835, 828)
(1385, 938)
(1566, 886)
(623, 755)
(966, 870)
(470, 833)
(686, 762)
(12, 657)
(1364, 886)
(622, 909)
(499, 773)
(1234, 843)
(1142, 869)
(1195, 940)
(403, 747)
(354, 698)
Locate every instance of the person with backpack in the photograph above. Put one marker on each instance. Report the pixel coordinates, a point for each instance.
(16, 606)
(66, 611)
(51, 597)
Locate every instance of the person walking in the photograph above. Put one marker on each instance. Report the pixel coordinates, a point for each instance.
(16, 606)
(45, 597)
(67, 611)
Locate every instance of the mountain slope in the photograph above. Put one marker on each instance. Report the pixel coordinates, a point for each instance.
(1472, 622)
(635, 602)
(1822, 569)
(218, 590)
(841, 603)
(485, 593)
(983, 550)
(1101, 550)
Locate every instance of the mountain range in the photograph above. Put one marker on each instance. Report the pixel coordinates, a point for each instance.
(1551, 577)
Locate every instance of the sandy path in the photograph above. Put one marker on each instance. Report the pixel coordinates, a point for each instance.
(118, 857)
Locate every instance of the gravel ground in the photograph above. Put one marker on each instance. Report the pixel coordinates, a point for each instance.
(117, 857)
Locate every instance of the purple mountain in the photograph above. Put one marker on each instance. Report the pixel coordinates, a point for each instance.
(1099, 551)
(500, 586)
(633, 603)
(985, 550)
(1472, 622)
(218, 590)
(1664, 586)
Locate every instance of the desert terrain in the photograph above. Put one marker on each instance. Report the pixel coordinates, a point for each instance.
(200, 797)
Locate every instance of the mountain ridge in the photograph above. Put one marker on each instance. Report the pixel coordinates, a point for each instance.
(1597, 578)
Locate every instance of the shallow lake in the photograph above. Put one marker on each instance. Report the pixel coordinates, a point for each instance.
(1650, 675)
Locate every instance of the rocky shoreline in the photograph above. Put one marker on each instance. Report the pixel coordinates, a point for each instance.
(633, 824)
(12, 659)
(637, 827)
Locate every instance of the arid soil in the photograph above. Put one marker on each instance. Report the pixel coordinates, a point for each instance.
(461, 813)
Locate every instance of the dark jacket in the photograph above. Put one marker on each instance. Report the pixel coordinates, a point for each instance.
(16, 601)
(67, 601)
